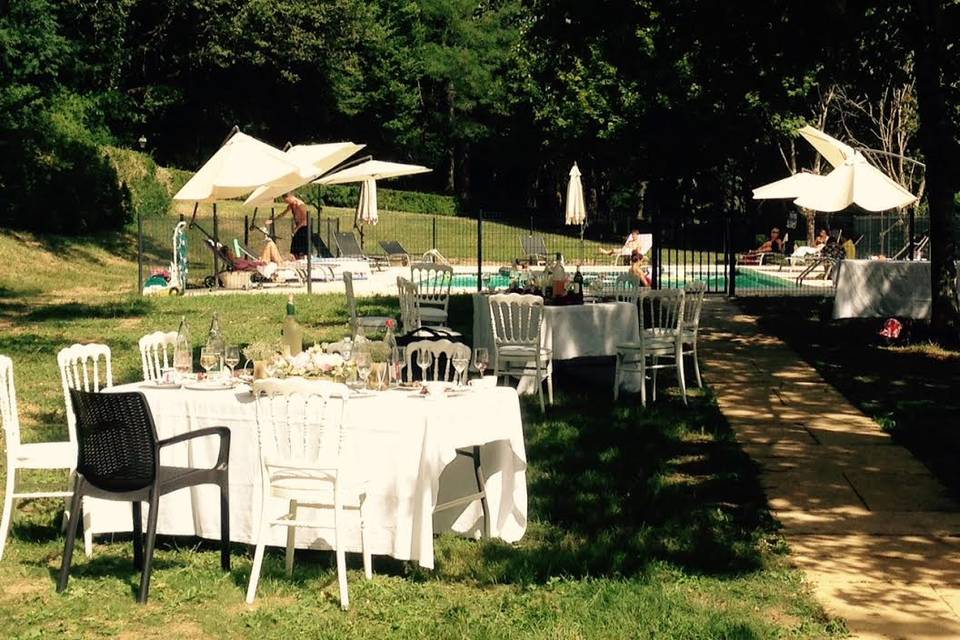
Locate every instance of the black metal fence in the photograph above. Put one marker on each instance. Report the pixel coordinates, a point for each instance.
(709, 246)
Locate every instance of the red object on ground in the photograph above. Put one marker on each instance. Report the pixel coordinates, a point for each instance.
(891, 329)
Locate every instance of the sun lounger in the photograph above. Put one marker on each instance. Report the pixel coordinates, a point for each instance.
(348, 247)
(395, 251)
(919, 246)
(534, 250)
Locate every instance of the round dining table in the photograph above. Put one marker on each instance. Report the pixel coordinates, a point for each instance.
(404, 446)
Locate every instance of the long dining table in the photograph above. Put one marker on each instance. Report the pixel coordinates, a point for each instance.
(403, 444)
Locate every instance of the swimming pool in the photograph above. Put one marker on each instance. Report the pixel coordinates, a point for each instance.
(747, 280)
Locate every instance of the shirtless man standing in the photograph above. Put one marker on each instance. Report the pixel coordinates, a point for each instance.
(296, 206)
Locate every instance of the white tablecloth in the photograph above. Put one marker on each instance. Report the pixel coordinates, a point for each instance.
(574, 331)
(882, 289)
(405, 445)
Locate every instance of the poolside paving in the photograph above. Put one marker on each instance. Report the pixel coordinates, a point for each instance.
(876, 534)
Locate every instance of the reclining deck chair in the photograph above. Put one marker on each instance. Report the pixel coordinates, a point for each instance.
(395, 251)
(534, 250)
(348, 247)
(919, 246)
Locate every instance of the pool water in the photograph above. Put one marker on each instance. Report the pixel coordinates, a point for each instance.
(746, 280)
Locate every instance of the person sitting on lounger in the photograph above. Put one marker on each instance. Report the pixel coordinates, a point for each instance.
(297, 207)
(773, 245)
(822, 238)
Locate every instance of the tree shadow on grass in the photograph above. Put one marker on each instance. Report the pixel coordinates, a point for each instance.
(616, 489)
(130, 308)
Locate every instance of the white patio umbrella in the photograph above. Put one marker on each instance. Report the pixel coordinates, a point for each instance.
(372, 169)
(368, 173)
(853, 181)
(313, 160)
(241, 165)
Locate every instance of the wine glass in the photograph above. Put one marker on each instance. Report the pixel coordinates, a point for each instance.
(424, 360)
(232, 357)
(364, 365)
(209, 358)
(460, 362)
(481, 358)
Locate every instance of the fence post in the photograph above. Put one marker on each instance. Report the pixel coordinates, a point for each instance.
(729, 258)
(910, 232)
(657, 248)
(309, 253)
(479, 250)
(139, 253)
(246, 231)
(434, 232)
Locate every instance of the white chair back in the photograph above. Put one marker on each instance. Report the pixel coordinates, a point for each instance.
(300, 423)
(9, 415)
(626, 288)
(692, 305)
(351, 301)
(156, 353)
(81, 368)
(437, 348)
(409, 309)
(432, 282)
(661, 311)
(517, 319)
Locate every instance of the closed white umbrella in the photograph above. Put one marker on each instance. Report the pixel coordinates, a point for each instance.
(313, 160)
(241, 165)
(576, 210)
(367, 206)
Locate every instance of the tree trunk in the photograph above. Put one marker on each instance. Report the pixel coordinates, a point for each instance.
(811, 217)
(451, 143)
(936, 139)
(462, 162)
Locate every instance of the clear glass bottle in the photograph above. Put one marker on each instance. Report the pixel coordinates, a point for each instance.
(215, 341)
(291, 334)
(183, 350)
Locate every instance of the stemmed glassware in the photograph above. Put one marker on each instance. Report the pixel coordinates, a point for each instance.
(481, 359)
(183, 362)
(460, 363)
(424, 360)
(399, 364)
(231, 357)
(364, 365)
(209, 358)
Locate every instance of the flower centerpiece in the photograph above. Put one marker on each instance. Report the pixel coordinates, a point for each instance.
(312, 363)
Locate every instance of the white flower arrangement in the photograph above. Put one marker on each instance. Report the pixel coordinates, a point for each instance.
(311, 363)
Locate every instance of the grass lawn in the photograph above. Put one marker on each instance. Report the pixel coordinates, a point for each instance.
(910, 389)
(643, 523)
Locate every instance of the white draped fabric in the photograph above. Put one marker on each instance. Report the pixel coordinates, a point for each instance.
(574, 331)
(883, 289)
(403, 445)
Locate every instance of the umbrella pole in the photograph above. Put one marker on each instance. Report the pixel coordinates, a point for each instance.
(216, 247)
(910, 231)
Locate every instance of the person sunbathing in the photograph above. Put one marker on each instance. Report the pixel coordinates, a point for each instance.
(633, 243)
(773, 245)
(638, 270)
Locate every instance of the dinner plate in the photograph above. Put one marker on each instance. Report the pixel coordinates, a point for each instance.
(210, 385)
(158, 384)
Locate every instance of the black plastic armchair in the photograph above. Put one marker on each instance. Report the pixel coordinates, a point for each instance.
(118, 459)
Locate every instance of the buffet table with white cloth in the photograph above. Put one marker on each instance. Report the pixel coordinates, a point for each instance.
(403, 444)
(883, 289)
(571, 331)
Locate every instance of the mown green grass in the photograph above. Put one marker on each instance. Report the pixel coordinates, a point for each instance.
(643, 523)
